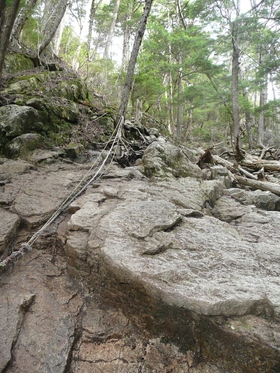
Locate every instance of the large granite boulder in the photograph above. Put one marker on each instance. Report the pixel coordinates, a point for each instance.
(178, 250)
(17, 120)
(163, 159)
(181, 259)
(24, 144)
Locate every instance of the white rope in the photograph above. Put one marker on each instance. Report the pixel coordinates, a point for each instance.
(79, 189)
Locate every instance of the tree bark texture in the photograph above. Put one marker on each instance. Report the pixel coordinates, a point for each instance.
(90, 26)
(21, 19)
(262, 102)
(111, 31)
(133, 58)
(179, 99)
(58, 36)
(8, 15)
(271, 187)
(125, 49)
(235, 85)
(52, 22)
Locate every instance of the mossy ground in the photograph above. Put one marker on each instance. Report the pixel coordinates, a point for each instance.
(65, 105)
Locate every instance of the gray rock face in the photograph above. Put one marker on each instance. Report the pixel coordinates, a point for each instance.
(176, 257)
(35, 198)
(9, 224)
(162, 159)
(51, 325)
(17, 120)
(38, 332)
(181, 258)
(23, 144)
(262, 199)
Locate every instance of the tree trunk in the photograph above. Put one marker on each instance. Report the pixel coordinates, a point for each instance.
(248, 123)
(111, 31)
(179, 101)
(21, 19)
(90, 27)
(271, 187)
(170, 104)
(58, 36)
(235, 86)
(261, 123)
(127, 32)
(262, 102)
(125, 49)
(7, 18)
(53, 21)
(133, 58)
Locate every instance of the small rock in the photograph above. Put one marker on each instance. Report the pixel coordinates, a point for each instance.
(73, 150)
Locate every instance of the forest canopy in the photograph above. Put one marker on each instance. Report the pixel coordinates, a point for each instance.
(205, 69)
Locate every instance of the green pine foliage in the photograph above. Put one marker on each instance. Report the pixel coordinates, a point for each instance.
(184, 66)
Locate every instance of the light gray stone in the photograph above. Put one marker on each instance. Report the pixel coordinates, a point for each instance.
(163, 159)
(13, 307)
(37, 312)
(17, 120)
(193, 261)
(228, 209)
(262, 199)
(23, 144)
(9, 224)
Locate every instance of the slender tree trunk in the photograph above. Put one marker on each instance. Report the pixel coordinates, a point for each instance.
(21, 19)
(58, 36)
(133, 58)
(111, 31)
(276, 115)
(261, 123)
(179, 103)
(235, 86)
(171, 124)
(262, 102)
(7, 18)
(90, 27)
(248, 122)
(127, 32)
(125, 49)
(53, 21)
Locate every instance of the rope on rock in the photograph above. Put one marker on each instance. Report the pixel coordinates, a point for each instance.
(79, 189)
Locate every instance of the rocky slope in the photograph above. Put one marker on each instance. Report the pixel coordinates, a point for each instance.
(157, 267)
(159, 274)
(43, 108)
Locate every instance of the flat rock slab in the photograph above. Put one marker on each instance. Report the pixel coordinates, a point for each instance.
(34, 198)
(193, 261)
(49, 324)
(39, 306)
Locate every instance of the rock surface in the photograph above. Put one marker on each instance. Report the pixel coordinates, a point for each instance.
(9, 224)
(153, 275)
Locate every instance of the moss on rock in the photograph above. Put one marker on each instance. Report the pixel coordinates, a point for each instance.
(15, 62)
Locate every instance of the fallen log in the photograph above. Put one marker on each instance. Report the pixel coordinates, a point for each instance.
(247, 180)
(257, 164)
(256, 184)
(230, 166)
